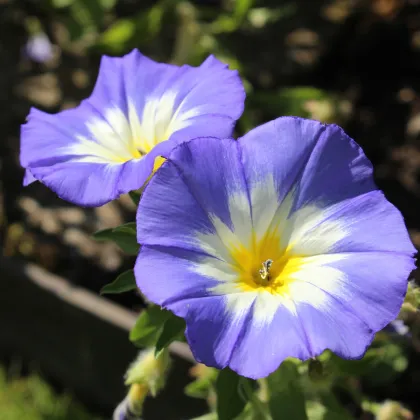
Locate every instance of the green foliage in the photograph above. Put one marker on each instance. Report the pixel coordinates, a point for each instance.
(31, 398)
(157, 327)
(83, 17)
(135, 197)
(327, 407)
(173, 329)
(204, 384)
(230, 400)
(135, 31)
(149, 325)
(380, 365)
(287, 400)
(123, 283)
(124, 236)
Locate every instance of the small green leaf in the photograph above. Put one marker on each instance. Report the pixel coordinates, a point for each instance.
(115, 37)
(229, 400)
(173, 328)
(123, 283)
(124, 236)
(287, 400)
(135, 197)
(148, 326)
(103, 235)
(128, 228)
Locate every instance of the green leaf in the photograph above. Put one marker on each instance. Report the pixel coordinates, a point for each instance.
(123, 283)
(127, 227)
(135, 197)
(173, 328)
(229, 400)
(241, 8)
(334, 409)
(103, 235)
(286, 396)
(148, 326)
(124, 236)
(118, 34)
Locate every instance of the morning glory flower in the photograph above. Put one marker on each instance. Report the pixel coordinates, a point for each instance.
(138, 111)
(273, 246)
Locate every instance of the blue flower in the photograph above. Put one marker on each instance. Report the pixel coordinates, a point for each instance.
(138, 111)
(273, 246)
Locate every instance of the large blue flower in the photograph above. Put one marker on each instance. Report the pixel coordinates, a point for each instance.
(276, 245)
(139, 110)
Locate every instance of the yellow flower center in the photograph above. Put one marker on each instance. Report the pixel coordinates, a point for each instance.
(264, 265)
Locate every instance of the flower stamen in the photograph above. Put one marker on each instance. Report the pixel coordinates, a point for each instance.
(264, 272)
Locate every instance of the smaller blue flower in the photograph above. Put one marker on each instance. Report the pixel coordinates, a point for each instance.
(39, 48)
(138, 111)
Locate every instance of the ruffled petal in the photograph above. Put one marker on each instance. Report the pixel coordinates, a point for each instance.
(371, 285)
(139, 110)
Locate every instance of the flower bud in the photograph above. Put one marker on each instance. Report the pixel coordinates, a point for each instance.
(146, 375)
(149, 371)
(392, 410)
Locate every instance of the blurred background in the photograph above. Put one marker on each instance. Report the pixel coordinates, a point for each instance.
(63, 349)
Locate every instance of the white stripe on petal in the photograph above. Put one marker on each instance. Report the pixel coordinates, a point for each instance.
(117, 138)
(265, 305)
(217, 270)
(110, 140)
(241, 217)
(309, 232)
(265, 206)
(313, 277)
(216, 243)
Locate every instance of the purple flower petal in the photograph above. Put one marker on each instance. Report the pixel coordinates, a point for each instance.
(139, 110)
(278, 246)
(186, 181)
(28, 178)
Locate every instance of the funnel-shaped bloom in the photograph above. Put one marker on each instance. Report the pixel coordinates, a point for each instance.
(273, 246)
(139, 110)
